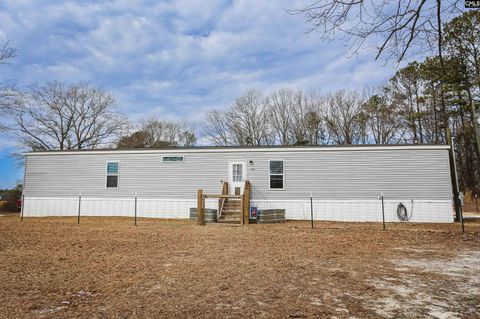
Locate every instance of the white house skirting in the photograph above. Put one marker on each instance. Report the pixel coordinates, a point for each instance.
(434, 211)
(154, 208)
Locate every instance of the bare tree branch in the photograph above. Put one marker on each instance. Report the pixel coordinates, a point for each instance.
(399, 26)
(7, 52)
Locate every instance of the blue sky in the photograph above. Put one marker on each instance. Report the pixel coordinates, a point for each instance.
(173, 59)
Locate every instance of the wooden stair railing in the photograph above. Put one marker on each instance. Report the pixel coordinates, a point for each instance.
(240, 202)
(200, 207)
(221, 201)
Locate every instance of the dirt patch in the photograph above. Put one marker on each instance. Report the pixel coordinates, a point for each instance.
(108, 268)
(432, 287)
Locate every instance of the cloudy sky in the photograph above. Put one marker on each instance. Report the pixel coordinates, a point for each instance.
(173, 59)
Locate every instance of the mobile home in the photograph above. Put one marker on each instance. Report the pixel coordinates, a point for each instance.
(344, 181)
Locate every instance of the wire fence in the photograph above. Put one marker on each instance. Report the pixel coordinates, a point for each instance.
(369, 210)
(379, 209)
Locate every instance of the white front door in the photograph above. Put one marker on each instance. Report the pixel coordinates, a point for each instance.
(236, 177)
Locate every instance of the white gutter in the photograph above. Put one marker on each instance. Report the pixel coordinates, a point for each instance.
(246, 149)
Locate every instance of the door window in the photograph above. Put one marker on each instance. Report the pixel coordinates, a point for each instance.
(237, 172)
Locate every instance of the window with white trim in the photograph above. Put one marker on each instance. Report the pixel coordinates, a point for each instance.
(112, 175)
(276, 175)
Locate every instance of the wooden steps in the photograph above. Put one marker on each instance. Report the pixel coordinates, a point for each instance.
(231, 208)
(231, 211)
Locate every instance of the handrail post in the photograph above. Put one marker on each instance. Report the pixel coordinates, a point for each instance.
(242, 217)
(200, 215)
(221, 200)
(246, 203)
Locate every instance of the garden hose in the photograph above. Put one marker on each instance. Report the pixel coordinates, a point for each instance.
(402, 211)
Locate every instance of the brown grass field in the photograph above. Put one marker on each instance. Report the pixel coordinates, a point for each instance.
(108, 268)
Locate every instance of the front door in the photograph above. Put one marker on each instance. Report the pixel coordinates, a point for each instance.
(236, 177)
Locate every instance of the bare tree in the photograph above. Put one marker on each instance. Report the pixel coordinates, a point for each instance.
(463, 43)
(156, 133)
(168, 133)
(299, 113)
(59, 116)
(245, 123)
(216, 128)
(405, 90)
(247, 120)
(382, 118)
(295, 117)
(281, 104)
(396, 25)
(312, 123)
(285, 117)
(342, 117)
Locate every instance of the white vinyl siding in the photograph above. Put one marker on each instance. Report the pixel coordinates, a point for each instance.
(337, 174)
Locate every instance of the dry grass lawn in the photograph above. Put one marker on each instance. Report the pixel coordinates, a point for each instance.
(108, 268)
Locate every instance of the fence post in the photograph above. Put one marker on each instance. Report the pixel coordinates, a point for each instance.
(79, 207)
(476, 203)
(311, 207)
(461, 220)
(135, 209)
(21, 207)
(200, 216)
(383, 211)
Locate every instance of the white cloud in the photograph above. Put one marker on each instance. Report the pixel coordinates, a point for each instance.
(177, 58)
